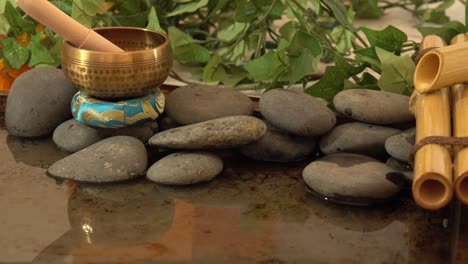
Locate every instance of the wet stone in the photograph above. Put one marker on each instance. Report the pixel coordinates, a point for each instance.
(185, 168)
(225, 132)
(399, 146)
(197, 103)
(296, 113)
(167, 123)
(351, 179)
(358, 138)
(113, 159)
(374, 107)
(278, 146)
(73, 136)
(402, 167)
(38, 102)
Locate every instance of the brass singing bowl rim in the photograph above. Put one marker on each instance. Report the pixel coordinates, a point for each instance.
(150, 50)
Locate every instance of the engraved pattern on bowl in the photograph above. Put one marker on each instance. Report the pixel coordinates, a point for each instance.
(108, 75)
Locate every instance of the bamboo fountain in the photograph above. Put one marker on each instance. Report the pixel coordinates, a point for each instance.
(435, 179)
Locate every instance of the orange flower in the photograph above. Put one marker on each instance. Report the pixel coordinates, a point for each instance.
(39, 28)
(14, 74)
(23, 40)
(106, 6)
(5, 82)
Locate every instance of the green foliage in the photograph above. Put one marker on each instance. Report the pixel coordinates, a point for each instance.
(236, 42)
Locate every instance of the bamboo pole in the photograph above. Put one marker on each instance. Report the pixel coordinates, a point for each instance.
(77, 34)
(432, 185)
(460, 129)
(441, 67)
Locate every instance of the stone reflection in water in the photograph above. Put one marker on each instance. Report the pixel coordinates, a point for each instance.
(35, 152)
(252, 213)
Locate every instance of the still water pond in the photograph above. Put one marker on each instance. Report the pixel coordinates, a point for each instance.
(253, 213)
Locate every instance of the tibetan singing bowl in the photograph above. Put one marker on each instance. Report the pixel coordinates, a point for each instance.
(111, 75)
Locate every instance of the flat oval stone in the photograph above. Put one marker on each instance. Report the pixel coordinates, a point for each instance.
(113, 159)
(402, 167)
(400, 145)
(357, 138)
(38, 102)
(73, 136)
(197, 103)
(185, 168)
(278, 146)
(374, 107)
(225, 132)
(296, 113)
(351, 179)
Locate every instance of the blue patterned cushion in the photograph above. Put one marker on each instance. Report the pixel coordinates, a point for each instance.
(97, 113)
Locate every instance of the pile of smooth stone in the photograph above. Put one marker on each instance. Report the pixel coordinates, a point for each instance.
(350, 147)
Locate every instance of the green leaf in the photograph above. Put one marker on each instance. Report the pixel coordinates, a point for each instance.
(185, 49)
(367, 81)
(153, 21)
(235, 74)
(213, 70)
(246, 11)
(367, 9)
(339, 11)
(261, 68)
(84, 11)
(65, 6)
(215, 6)
(315, 6)
(446, 31)
(234, 54)
(3, 4)
(302, 65)
(436, 15)
(17, 23)
(329, 85)
(348, 69)
(188, 7)
(369, 55)
(288, 30)
(343, 38)
(14, 55)
(231, 32)
(39, 54)
(397, 72)
(305, 41)
(4, 25)
(390, 39)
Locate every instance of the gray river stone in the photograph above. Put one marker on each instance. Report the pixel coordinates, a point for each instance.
(185, 168)
(296, 113)
(167, 123)
(73, 136)
(358, 138)
(197, 103)
(38, 102)
(113, 159)
(374, 107)
(402, 167)
(351, 179)
(225, 132)
(278, 146)
(400, 145)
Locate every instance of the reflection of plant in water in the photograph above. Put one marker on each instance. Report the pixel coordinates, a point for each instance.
(242, 41)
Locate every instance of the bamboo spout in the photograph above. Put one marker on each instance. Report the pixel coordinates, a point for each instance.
(77, 34)
(433, 185)
(460, 129)
(441, 67)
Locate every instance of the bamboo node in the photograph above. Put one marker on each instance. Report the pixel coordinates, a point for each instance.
(445, 141)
